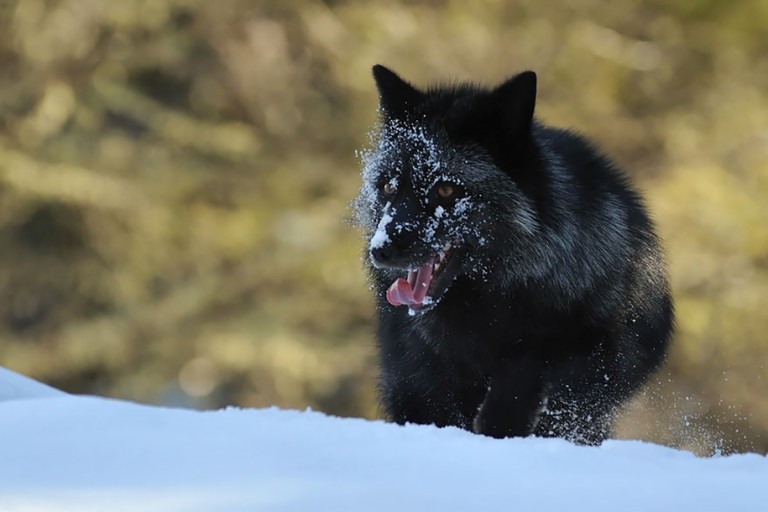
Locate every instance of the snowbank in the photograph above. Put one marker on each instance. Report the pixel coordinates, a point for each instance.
(71, 453)
(17, 387)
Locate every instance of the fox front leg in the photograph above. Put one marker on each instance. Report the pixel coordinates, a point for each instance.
(514, 401)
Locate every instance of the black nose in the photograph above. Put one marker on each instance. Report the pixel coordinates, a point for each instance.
(383, 255)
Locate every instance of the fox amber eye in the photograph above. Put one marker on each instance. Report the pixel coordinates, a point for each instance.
(389, 189)
(445, 190)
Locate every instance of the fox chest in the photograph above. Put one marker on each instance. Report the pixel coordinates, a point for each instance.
(488, 332)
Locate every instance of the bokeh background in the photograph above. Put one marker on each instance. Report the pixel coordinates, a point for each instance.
(175, 178)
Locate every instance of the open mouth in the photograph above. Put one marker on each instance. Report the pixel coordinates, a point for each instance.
(426, 284)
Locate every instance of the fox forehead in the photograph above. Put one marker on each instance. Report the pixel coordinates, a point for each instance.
(412, 151)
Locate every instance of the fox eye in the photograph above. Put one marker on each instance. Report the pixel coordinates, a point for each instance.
(445, 190)
(389, 189)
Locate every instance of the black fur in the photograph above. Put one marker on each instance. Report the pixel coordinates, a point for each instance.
(552, 307)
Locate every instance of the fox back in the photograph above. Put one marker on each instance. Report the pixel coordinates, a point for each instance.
(520, 286)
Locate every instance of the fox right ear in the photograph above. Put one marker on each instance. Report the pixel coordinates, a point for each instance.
(396, 96)
(515, 100)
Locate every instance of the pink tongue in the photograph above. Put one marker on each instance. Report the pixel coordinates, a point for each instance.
(412, 291)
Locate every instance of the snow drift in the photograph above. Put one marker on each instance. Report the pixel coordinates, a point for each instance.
(60, 452)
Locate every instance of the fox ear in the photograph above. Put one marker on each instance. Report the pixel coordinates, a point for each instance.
(516, 100)
(396, 96)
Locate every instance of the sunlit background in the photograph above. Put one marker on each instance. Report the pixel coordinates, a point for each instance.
(175, 178)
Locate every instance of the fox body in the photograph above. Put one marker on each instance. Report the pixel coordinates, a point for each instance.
(520, 286)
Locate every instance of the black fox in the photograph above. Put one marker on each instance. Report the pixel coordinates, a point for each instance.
(519, 283)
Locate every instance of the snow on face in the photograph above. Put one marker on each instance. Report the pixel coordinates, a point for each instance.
(398, 146)
(408, 155)
(491, 219)
(380, 237)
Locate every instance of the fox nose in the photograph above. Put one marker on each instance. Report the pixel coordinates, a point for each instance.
(384, 254)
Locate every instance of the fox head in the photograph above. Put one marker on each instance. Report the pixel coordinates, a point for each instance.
(447, 184)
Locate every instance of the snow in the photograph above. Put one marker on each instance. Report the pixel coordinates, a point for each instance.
(14, 387)
(380, 237)
(61, 452)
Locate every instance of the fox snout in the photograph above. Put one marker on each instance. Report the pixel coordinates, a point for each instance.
(384, 255)
(425, 272)
(388, 249)
(396, 242)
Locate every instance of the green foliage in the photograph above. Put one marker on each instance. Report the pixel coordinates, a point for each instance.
(175, 175)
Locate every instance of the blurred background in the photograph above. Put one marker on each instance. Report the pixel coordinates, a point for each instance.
(175, 178)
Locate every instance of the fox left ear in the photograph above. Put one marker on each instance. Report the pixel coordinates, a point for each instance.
(516, 100)
(396, 96)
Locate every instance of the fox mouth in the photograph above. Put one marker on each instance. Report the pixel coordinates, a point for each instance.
(425, 285)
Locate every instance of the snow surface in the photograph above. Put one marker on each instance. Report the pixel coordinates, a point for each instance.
(14, 387)
(61, 452)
